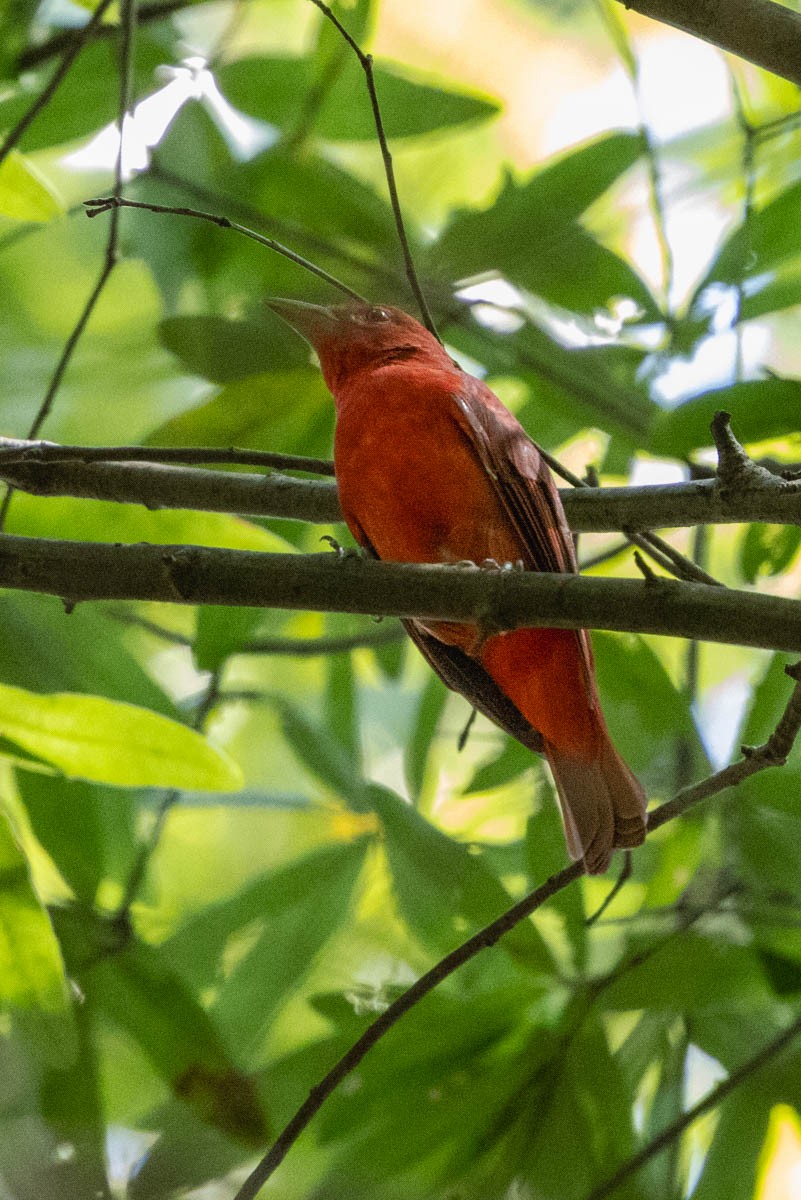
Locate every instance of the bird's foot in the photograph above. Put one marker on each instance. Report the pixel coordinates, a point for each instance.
(490, 564)
(341, 552)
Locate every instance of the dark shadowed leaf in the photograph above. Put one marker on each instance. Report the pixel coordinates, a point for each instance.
(444, 891)
(762, 408)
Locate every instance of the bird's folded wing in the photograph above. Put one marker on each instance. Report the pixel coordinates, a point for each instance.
(464, 674)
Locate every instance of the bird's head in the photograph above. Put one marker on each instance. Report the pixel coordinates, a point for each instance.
(350, 337)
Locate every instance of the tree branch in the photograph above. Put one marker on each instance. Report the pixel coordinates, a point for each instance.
(787, 728)
(760, 31)
(499, 600)
(46, 469)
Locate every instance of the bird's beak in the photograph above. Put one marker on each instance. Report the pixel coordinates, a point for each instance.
(312, 321)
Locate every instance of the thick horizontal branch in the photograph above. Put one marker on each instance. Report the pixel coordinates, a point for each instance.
(597, 510)
(79, 571)
(760, 31)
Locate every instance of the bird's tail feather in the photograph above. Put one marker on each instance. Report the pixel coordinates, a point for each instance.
(602, 802)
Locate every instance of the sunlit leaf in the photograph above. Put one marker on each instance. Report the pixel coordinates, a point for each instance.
(31, 970)
(109, 742)
(768, 550)
(25, 194)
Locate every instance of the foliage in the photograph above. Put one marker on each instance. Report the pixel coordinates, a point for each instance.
(217, 866)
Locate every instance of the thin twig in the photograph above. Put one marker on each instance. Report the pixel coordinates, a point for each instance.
(615, 890)
(17, 450)
(650, 543)
(313, 647)
(46, 469)
(712, 1100)
(128, 21)
(104, 204)
(76, 44)
(780, 743)
(366, 63)
(124, 617)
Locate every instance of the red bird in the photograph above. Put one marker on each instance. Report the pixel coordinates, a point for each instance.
(432, 468)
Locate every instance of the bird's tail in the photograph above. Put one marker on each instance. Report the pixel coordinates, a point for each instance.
(603, 803)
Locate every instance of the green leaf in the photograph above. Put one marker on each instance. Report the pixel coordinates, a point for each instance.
(768, 701)
(419, 741)
(90, 832)
(270, 89)
(752, 254)
(107, 521)
(584, 1118)
(220, 632)
(84, 101)
(289, 916)
(314, 194)
(762, 408)
(512, 761)
(686, 973)
(784, 974)
(286, 410)
(768, 550)
(25, 195)
(92, 653)
(342, 706)
(222, 349)
(31, 970)
(557, 258)
(322, 754)
(762, 831)
(52, 1133)
(444, 891)
(138, 989)
(645, 733)
(730, 1167)
(110, 742)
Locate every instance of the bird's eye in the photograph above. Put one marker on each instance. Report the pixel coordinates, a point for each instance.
(371, 316)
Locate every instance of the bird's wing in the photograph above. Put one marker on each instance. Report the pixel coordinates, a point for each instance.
(463, 674)
(520, 476)
(524, 485)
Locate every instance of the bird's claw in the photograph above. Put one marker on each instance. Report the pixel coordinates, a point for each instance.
(339, 550)
(491, 564)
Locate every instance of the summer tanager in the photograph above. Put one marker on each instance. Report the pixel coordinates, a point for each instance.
(432, 468)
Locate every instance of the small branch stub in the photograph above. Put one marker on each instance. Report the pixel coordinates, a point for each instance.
(736, 471)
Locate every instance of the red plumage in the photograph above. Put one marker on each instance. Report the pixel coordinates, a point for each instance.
(431, 467)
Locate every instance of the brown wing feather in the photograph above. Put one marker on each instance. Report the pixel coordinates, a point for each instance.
(524, 485)
(520, 475)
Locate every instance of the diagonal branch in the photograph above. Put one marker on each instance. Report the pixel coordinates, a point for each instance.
(760, 31)
(789, 726)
